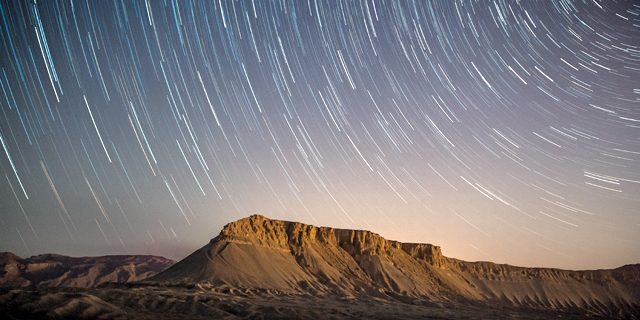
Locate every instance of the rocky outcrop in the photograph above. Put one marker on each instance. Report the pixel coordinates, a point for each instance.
(257, 253)
(52, 270)
(286, 234)
(427, 252)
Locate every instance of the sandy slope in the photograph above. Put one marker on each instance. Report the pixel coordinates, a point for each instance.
(51, 270)
(290, 257)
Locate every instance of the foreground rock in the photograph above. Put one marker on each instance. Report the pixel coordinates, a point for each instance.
(294, 258)
(52, 270)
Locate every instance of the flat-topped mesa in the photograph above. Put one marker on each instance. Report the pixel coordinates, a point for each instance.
(295, 258)
(260, 230)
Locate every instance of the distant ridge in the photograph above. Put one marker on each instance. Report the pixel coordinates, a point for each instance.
(258, 253)
(53, 270)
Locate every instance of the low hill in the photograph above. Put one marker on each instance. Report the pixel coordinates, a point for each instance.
(52, 270)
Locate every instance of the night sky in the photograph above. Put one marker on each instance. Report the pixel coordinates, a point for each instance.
(506, 131)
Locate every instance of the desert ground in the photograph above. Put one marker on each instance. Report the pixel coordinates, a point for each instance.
(135, 301)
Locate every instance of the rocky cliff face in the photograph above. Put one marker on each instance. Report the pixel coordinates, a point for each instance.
(286, 234)
(257, 253)
(52, 270)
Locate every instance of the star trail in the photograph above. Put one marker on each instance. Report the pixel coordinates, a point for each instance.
(500, 130)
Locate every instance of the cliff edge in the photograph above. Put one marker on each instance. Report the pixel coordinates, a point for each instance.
(286, 235)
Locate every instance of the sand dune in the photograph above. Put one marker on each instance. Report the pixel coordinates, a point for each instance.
(52, 270)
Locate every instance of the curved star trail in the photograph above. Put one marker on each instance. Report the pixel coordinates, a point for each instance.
(500, 130)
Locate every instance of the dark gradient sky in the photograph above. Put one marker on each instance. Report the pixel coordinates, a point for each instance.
(506, 131)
